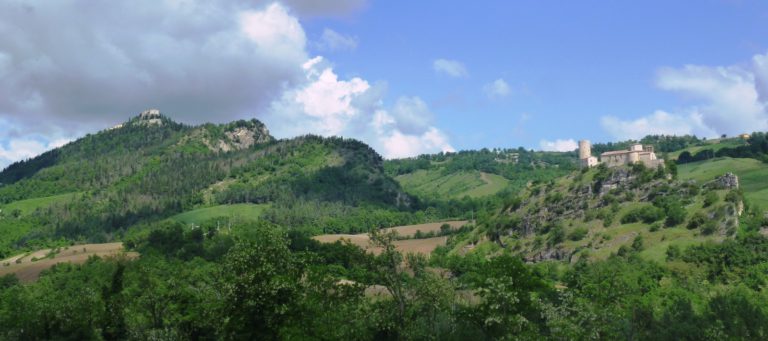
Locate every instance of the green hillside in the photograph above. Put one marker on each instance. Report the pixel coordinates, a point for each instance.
(477, 174)
(151, 168)
(714, 145)
(453, 185)
(236, 212)
(28, 206)
(753, 175)
(602, 212)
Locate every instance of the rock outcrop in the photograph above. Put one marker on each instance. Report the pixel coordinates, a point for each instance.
(726, 181)
(149, 117)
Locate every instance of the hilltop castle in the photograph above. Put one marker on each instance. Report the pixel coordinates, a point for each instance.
(634, 154)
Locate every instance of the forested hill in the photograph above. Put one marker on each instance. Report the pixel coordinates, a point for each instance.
(478, 173)
(150, 168)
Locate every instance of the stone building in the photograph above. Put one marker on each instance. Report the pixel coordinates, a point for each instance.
(634, 154)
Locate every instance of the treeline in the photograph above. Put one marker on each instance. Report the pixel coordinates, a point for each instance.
(756, 148)
(258, 282)
(661, 143)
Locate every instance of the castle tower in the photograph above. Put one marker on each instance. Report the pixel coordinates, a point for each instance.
(585, 149)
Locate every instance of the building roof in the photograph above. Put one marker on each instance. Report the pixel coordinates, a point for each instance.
(619, 152)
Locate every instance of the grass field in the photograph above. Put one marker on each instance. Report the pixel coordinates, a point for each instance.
(30, 205)
(28, 266)
(753, 175)
(423, 246)
(246, 211)
(455, 185)
(714, 145)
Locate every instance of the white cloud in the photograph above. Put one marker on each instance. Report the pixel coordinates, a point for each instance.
(216, 60)
(451, 68)
(658, 123)
(725, 100)
(498, 88)
(334, 41)
(326, 105)
(568, 145)
(21, 149)
(273, 28)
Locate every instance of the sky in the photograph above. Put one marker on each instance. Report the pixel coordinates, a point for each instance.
(406, 77)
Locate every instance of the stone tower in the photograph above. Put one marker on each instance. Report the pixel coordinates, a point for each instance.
(585, 149)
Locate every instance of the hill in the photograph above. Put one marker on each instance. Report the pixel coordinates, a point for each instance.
(752, 176)
(477, 174)
(102, 186)
(595, 213)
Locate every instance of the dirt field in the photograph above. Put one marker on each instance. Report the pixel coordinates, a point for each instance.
(410, 230)
(27, 270)
(423, 246)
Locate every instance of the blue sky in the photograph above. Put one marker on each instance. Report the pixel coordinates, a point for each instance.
(406, 77)
(568, 63)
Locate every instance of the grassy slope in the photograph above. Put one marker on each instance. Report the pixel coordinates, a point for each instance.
(12, 229)
(752, 175)
(715, 145)
(198, 216)
(30, 205)
(455, 185)
(601, 241)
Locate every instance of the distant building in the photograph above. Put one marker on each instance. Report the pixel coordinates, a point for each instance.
(634, 154)
(744, 136)
(585, 154)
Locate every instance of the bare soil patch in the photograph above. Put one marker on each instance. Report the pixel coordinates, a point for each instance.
(422, 246)
(28, 270)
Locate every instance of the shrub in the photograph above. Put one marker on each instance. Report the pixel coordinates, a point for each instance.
(578, 234)
(637, 244)
(711, 198)
(698, 219)
(673, 252)
(675, 214)
(733, 196)
(646, 214)
(710, 227)
(556, 235)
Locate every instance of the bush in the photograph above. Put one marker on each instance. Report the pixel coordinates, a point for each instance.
(556, 235)
(711, 198)
(646, 214)
(637, 244)
(673, 252)
(709, 228)
(578, 234)
(675, 214)
(698, 220)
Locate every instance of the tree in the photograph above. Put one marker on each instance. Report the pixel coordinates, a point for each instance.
(508, 306)
(260, 284)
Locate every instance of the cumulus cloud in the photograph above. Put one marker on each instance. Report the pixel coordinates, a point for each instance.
(335, 41)
(658, 123)
(82, 65)
(327, 105)
(725, 100)
(451, 68)
(498, 88)
(20, 149)
(76, 66)
(568, 145)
